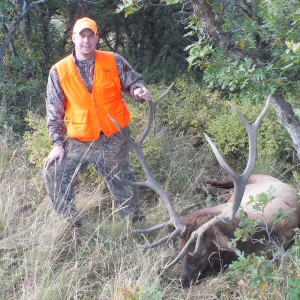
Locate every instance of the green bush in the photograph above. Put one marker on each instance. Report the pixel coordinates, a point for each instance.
(17, 96)
(265, 274)
(229, 134)
(189, 108)
(258, 270)
(36, 139)
(193, 109)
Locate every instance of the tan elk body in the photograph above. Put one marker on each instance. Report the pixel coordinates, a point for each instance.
(216, 251)
(205, 234)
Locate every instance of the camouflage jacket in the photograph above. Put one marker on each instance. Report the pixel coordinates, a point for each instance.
(56, 99)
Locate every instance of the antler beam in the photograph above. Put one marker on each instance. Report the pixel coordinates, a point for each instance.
(150, 181)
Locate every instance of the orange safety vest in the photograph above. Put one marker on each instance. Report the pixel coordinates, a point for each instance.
(87, 113)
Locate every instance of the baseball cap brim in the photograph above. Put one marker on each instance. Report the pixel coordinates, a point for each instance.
(85, 23)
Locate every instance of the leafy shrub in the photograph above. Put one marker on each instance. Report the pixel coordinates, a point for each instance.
(229, 134)
(36, 140)
(193, 109)
(188, 107)
(17, 96)
(264, 274)
(149, 292)
(258, 270)
(38, 145)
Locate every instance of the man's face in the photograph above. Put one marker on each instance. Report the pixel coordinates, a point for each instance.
(85, 43)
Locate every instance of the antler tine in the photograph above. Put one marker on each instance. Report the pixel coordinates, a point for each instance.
(219, 157)
(153, 228)
(196, 235)
(183, 251)
(264, 111)
(164, 94)
(150, 118)
(150, 181)
(150, 115)
(164, 239)
(200, 231)
(252, 130)
(240, 181)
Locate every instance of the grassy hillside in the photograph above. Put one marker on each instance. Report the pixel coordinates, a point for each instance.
(42, 258)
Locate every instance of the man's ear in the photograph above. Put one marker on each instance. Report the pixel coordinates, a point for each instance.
(73, 37)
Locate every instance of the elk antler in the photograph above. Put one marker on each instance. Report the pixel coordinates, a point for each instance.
(150, 181)
(239, 180)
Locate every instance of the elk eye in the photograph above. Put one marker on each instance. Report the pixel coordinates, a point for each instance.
(198, 255)
(203, 237)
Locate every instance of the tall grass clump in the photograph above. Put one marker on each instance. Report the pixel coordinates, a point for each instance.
(41, 257)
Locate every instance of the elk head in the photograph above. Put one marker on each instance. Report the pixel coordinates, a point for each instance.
(200, 243)
(215, 249)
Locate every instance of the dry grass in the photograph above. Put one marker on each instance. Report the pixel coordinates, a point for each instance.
(41, 258)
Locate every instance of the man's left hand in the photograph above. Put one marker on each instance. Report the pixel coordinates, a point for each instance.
(142, 93)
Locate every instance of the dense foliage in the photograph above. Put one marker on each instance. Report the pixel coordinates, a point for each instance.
(264, 36)
(249, 49)
(267, 33)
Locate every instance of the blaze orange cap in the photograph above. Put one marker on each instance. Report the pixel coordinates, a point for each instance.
(85, 23)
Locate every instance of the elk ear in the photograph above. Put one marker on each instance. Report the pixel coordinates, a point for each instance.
(222, 241)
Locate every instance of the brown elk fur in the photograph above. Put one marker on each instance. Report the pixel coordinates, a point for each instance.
(216, 251)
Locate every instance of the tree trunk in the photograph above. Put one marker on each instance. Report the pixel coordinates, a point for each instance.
(288, 119)
(203, 11)
(12, 45)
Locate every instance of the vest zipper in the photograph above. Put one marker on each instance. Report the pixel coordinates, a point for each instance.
(97, 113)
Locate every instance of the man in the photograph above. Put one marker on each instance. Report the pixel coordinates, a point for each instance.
(83, 91)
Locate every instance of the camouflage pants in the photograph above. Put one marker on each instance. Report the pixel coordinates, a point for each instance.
(110, 157)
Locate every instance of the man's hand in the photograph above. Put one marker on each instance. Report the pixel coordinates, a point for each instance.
(142, 93)
(57, 152)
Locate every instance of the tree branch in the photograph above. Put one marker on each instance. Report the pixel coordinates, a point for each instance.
(12, 46)
(23, 14)
(204, 12)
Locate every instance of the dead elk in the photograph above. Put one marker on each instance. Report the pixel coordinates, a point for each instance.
(205, 234)
(216, 251)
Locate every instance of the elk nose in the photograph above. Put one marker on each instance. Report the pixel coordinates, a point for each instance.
(186, 282)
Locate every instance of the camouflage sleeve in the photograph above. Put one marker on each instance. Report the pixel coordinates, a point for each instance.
(56, 104)
(130, 79)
